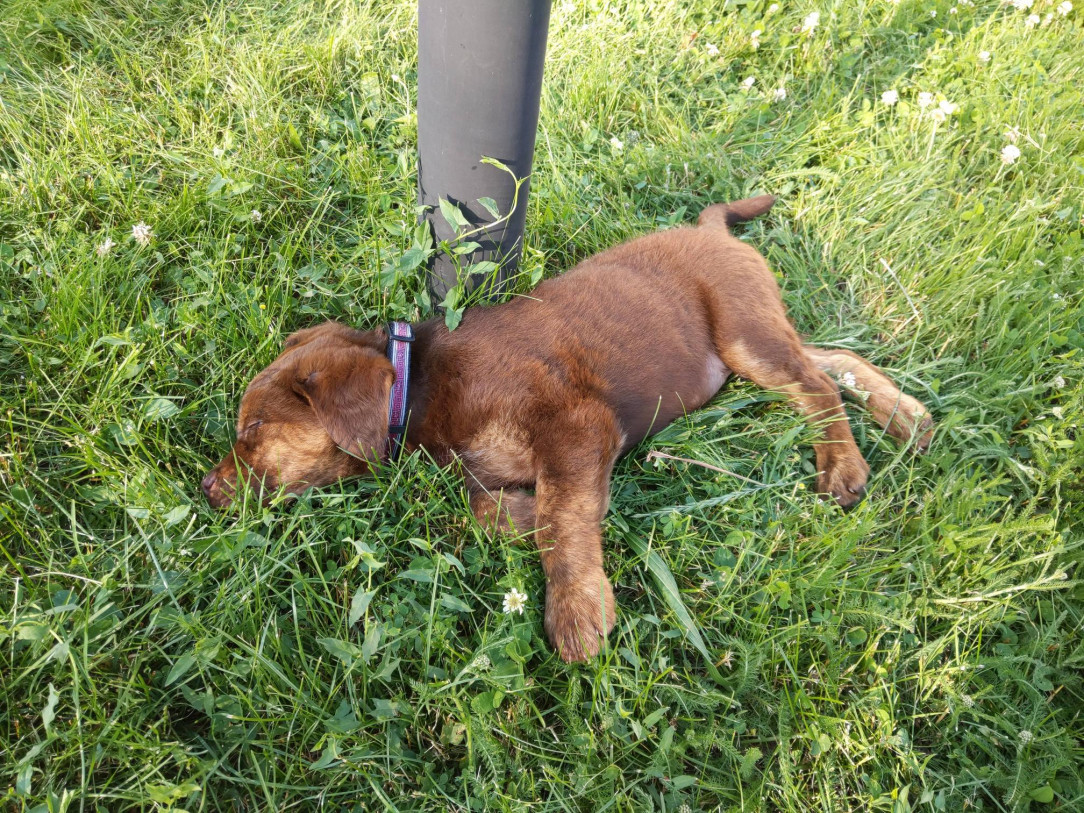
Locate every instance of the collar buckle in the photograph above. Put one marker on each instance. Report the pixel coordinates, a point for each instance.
(408, 336)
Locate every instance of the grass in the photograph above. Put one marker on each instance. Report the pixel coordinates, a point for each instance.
(922, 652)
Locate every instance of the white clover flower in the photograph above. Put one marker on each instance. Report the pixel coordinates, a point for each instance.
(1059, 382)
(1065, 8)
(848, 380)
(515, 601)
(890, 97)
(773, 8)
(925, 99)
(105, 247)
(1026, 736)
(779, 94)
(948, 108)
(1009, 154)
(711, 49)
(481, 664)
(1032, 21)
(811, 21)
(967, 700)
(754, 38)
(952, 10)
(142, 233)
(256, 216)
(1012, 134)
(615, 142)
(1022, 5)
(937, 114)
(984, 57)
(748, 82)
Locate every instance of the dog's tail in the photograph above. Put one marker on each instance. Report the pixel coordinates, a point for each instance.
(727, 214)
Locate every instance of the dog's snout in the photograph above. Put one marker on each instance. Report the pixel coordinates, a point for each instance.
(218, 487)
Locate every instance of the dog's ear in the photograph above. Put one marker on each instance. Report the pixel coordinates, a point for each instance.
(347, 387)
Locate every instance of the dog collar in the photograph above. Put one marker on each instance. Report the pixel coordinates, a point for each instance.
(400, 336)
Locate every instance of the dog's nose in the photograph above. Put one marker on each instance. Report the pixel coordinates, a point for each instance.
(208, 484)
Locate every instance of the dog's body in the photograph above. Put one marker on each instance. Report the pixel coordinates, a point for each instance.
(545, 392)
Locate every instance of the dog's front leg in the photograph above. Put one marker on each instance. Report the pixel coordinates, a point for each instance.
(576, 454)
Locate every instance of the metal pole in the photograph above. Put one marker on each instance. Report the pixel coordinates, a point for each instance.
(479, 85)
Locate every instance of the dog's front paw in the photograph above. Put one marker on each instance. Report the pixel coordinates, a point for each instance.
(844, 477)
(579, 615)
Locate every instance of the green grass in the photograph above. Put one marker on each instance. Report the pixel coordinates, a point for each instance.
(922, 652)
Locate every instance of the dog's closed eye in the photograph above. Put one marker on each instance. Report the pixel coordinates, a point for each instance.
(250, 430)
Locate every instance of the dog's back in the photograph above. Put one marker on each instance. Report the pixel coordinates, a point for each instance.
(636, 325)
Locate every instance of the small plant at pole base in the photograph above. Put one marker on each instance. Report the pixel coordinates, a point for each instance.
(400, 266)
(458, 298)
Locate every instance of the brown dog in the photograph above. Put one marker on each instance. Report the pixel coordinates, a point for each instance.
(546, 391)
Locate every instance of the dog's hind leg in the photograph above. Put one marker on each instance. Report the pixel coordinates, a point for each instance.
(903, 417)
(753, 338)
(781, 366)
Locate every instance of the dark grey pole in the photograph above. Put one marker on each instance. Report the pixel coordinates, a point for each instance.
(479, 85)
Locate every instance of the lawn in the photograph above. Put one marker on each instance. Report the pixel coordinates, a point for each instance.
(921, 652)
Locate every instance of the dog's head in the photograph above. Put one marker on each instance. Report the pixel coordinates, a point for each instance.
(318, 414)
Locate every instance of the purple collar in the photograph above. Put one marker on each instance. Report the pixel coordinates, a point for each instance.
(400, 336)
